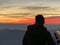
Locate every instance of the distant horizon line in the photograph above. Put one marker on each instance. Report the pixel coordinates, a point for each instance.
(26, 24)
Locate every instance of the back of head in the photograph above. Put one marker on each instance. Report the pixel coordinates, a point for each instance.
(39, 19)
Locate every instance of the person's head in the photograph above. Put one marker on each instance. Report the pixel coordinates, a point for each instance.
(39, 19)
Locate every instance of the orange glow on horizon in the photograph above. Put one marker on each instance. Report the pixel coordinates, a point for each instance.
(32, 21)
(52, 20)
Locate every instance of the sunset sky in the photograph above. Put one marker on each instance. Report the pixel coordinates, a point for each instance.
(24, 11)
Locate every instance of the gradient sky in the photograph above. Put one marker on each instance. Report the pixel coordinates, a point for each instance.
(24, 11)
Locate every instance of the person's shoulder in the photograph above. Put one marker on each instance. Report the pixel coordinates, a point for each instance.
(30, 25)
(46, 30)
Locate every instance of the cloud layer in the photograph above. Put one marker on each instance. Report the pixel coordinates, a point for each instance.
(24, 9)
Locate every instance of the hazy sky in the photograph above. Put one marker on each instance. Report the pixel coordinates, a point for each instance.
(18, 10)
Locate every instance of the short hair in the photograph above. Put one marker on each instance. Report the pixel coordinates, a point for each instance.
(39, 17)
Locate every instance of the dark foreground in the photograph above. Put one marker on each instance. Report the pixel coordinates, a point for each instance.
(11, 37)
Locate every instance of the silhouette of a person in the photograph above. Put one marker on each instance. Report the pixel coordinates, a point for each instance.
(37, 34)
